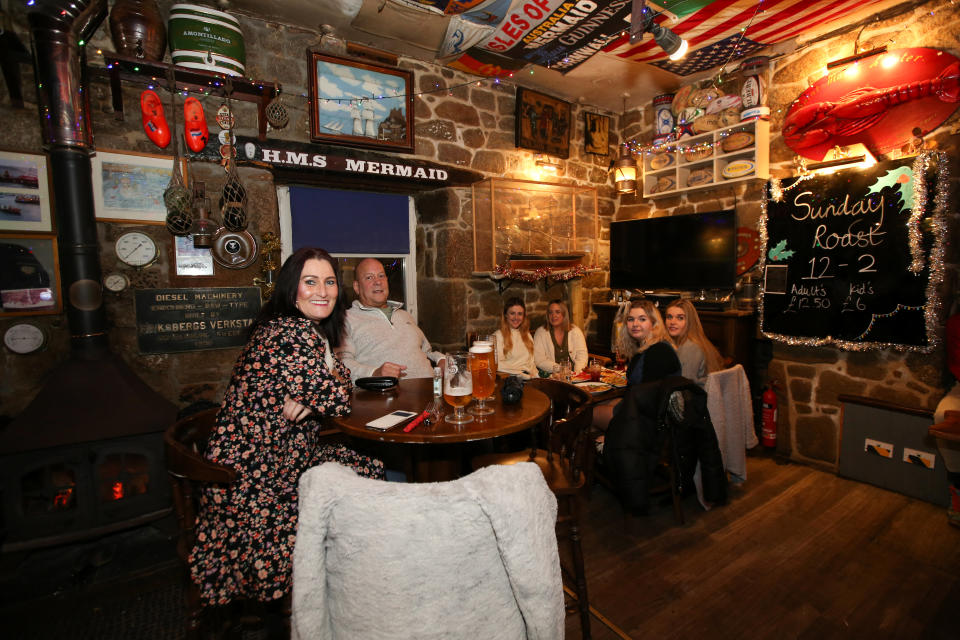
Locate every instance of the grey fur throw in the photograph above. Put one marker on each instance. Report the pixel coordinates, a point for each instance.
(475, 558)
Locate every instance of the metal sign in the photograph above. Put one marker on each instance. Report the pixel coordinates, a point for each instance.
(174, 320)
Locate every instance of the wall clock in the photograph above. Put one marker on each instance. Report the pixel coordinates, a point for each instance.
(136, 249)
(24, 338)
(115, 282)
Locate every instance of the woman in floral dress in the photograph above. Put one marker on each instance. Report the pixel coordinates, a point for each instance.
(286, 377)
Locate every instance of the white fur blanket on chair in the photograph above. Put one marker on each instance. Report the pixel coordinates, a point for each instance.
(475, 558)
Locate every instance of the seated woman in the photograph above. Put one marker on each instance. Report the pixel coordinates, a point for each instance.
(698, 356)
(559, 341)
(644, 341)
(286, 378)
(514, 343)
(636, 433)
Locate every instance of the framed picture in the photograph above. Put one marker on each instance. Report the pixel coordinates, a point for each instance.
(596, 133)
(360, 104)
(24, 193)
(189, 260)
(543, 123)
(29, 275)
(128, 187)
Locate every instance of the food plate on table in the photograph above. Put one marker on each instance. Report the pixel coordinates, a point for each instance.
(614, 378)
(594, 387)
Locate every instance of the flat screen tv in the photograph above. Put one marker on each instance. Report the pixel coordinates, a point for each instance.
(685, 252)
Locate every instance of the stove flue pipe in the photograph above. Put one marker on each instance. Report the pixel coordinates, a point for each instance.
(57, 29)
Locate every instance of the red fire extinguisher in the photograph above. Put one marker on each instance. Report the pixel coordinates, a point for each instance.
(768, 429)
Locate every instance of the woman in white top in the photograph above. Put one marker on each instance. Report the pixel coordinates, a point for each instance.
(514, 343)
(559, 341)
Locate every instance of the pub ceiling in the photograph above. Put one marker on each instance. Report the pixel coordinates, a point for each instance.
(578, 50)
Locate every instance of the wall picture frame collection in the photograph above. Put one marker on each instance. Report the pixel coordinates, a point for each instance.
(29, 260)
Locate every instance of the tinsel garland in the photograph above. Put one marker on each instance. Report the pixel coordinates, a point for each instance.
(533, 275)
(938, 223)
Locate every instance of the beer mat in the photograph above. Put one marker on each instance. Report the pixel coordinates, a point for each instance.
(594, 387)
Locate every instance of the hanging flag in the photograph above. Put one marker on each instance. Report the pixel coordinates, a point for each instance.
(722, 30)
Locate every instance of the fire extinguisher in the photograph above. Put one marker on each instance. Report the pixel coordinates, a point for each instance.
(768, 429)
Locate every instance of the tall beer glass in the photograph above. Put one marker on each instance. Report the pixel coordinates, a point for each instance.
(457, 386)
(484, 372)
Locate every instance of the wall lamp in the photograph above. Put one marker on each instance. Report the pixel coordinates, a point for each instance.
(625, 171)
(856, 156)
(641, 21)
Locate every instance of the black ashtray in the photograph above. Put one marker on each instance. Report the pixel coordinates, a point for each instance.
(377, 383)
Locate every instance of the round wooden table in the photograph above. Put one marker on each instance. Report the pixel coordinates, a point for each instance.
(437, 462)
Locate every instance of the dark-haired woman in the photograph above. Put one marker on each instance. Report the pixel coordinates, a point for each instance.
(266, 428)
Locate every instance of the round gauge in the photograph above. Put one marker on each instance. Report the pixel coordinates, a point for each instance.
(24, 338)
(136, 249)
(116, 282)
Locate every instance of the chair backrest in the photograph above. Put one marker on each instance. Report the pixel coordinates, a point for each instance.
(473, 558)
(565, 432)
(184, 442)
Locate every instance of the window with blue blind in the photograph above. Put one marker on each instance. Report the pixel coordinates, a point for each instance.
(355, 222)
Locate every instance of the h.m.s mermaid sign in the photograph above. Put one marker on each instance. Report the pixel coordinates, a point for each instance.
(856, 258)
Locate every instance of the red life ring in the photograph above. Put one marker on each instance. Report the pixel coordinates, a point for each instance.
(748, 249)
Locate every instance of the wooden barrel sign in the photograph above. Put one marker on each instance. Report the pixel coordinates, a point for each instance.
(204, 38)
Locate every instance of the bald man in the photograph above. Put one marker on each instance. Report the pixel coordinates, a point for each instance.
(383, 339)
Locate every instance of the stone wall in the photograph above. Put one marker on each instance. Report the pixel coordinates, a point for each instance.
(810, 379)
(458, 123)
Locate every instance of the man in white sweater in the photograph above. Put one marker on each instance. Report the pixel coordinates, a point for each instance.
(383, 339)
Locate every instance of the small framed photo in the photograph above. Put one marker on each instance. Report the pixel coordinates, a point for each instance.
(596, 133)
(360, 104)
(24, 193)
(128, 187)
(29, 275)
(543, 123)
(189, 260)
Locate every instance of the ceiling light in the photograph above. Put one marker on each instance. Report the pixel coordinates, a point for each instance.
(858, 56)
(641, 21)
(855, 156)
(625, 172)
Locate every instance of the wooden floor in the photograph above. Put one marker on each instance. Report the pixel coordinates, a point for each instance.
(797, 553)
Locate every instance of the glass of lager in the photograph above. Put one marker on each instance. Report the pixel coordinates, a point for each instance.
(484, 370)
(457, 386)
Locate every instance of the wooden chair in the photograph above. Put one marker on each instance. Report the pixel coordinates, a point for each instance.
(565, 456)
(184, 443)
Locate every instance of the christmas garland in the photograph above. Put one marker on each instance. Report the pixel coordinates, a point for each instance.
(533, 275)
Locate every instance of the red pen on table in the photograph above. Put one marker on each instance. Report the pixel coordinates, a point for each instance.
(413, 423)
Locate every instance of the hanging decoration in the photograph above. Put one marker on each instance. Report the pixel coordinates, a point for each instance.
(276, 111)
(233, 196)
(877, 101)
(534, 275)
(177, 196)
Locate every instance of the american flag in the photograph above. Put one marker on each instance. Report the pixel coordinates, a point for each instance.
(715, 32)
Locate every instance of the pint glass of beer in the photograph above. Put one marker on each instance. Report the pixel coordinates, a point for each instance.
(484, 370)
(457, 386)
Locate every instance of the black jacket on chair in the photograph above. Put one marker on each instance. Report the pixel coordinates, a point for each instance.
(637, 432)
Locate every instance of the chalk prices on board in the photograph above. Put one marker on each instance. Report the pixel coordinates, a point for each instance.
(839, 263)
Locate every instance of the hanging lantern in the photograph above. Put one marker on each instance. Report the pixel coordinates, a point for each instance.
(625, 171)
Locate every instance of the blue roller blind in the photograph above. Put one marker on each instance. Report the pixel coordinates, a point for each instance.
(349, 221)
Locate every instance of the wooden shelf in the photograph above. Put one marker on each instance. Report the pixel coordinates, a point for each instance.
(119, 69)
(680, 169)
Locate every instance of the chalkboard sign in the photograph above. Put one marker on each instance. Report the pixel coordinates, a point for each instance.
(172, 320)
(855, 258)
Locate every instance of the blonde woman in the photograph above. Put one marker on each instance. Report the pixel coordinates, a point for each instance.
(644, 340)
(514, 343)
(559, 341)
(698, 356)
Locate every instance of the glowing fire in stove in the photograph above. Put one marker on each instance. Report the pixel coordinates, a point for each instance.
(116, 491)
(62, 498)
